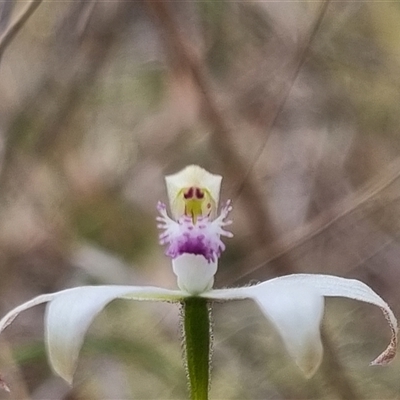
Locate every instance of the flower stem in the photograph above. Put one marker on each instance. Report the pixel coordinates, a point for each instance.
(197, 345)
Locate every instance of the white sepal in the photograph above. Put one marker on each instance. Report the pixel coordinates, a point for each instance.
(325, 285)
(334, 286)
(195, 274)
(11, 315)
(295, 311)
(69, 315)
(71, 311)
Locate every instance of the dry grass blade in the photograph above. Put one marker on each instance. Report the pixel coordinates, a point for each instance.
(301, 58)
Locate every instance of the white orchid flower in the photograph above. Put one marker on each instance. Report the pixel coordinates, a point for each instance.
(293, 303)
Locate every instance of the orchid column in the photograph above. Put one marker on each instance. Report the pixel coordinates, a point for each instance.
(194, 245)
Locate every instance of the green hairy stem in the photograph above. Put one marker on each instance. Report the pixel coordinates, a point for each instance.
(196, 314)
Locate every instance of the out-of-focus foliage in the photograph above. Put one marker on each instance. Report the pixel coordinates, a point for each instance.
(296, 104)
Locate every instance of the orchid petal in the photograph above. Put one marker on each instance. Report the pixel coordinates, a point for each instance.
(71, 311)
(295, 311)
(69, 315)
(326, 285)
(334, 286)
(195, 274)
(11, 315)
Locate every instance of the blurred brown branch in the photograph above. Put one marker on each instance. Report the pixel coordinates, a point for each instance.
(299, 61)
(16, 25)
(326, 219)
(6, 8)
(183, 57)
(45, 112)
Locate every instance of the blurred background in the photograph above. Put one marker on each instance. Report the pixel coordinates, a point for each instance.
(296, 104)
